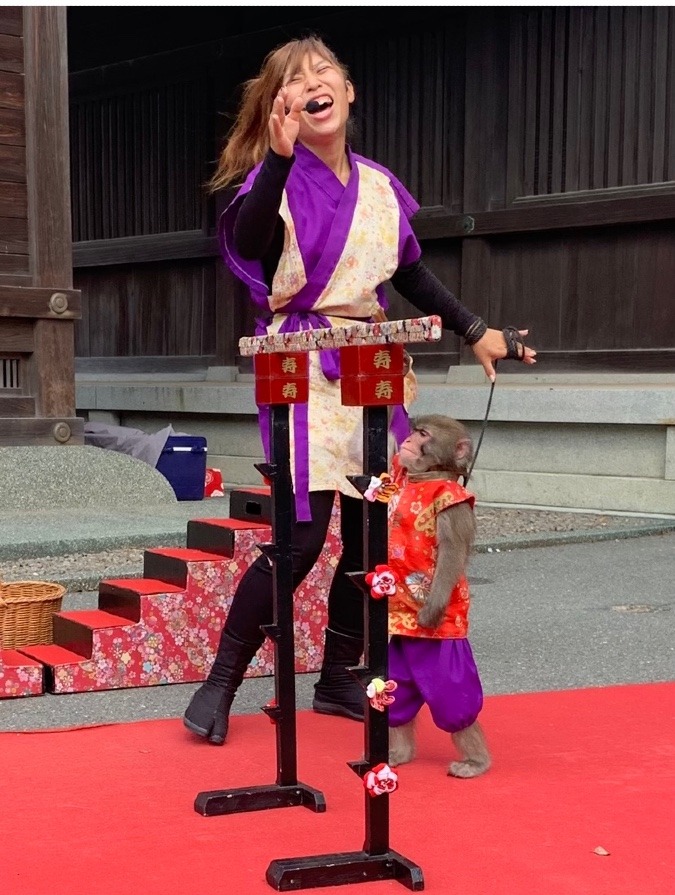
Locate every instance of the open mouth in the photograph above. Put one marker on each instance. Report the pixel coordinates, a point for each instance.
(314, 106)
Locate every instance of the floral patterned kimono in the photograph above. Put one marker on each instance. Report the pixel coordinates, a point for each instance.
(341, 244)
(413, 518)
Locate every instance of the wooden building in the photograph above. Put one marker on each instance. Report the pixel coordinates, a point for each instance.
(539, 141)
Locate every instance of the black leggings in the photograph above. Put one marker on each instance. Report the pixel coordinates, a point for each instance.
(252, 605)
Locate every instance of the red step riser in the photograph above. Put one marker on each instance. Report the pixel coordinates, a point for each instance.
(72, 636)
(75, 630)
(220, 537)
(251, 505)
(124, 596)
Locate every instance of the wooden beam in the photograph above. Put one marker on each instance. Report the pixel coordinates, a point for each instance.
(13, 264)
(16, 336)
(20, 431)
(11, 20)
(13, 200)
(13, 127)
(12, 163)
(537, 217)
(14, 235)
(138, 249)
(11, 90)
(17, 301)
(18, 405)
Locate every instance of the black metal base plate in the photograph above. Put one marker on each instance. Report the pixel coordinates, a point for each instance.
(290, 874)
(259, 798)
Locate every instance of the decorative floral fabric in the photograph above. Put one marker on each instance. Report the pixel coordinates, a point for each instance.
(177, 637)
(17, 677)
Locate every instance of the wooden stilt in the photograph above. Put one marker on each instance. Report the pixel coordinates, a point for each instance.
(376, 861)
(287, 791)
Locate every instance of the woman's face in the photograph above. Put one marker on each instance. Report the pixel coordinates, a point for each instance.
(320, 80)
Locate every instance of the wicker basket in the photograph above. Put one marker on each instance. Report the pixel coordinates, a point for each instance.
(26, 610)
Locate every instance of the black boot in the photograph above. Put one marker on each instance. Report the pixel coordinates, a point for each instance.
(207, 715)
(337, 692)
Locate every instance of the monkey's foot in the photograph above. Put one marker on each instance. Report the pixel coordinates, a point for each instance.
(469, 768)
(401, 755)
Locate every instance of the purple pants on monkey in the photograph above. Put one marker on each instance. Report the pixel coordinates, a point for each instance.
(441, 673)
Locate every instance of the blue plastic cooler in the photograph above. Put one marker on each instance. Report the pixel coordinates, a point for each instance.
(183, 463)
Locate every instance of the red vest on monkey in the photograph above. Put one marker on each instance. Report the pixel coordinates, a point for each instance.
(412, 554)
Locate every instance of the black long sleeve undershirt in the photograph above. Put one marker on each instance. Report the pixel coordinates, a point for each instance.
(259, 234)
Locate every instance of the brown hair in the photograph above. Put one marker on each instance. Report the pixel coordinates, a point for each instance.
(248, 141)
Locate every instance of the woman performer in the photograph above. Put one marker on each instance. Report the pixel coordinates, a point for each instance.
(314, 232)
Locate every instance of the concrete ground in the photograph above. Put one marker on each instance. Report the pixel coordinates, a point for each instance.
(595, 613)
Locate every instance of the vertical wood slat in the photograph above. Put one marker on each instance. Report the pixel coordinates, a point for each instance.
(645, 110)
(103, 153)
(614, 98)
(631, 74)
(661, 88)
(531, 64)
(572, 136)
(598, 134)
(586, 97)
(559, 104)
(544, 116)
(670, 127)
(516, 108)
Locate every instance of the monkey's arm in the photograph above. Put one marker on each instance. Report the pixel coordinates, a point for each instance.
(455, 532)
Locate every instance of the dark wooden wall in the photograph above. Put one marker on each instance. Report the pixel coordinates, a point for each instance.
(540, 143)
(37, 302)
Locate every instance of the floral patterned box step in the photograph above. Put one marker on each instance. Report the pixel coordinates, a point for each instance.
(164, 628)
(51, 657)
(173, 642)
(75, 631)
(173, 564)
(20, 675)
(221, 535)
(124, 596)
(252, 504)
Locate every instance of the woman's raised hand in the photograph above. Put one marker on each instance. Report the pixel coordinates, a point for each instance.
(284, 123)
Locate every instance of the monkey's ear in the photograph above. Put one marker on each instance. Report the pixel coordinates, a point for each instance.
(463, 450)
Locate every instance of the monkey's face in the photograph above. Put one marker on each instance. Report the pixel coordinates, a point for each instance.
(437, 443)
(411, 452)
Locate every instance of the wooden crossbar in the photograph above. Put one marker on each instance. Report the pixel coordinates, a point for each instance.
(417, 329)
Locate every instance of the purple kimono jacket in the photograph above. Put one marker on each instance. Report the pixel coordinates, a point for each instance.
(341, 243)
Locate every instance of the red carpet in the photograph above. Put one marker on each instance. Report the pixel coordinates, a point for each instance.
(108, 810)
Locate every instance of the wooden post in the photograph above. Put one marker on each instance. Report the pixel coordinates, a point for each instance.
(39, 265)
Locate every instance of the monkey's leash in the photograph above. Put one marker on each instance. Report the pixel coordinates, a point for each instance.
(514, 342)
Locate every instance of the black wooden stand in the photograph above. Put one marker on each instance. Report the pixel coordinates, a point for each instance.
(376, 861)
(287, 791)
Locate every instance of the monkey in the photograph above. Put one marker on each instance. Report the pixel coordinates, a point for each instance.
(431, 533)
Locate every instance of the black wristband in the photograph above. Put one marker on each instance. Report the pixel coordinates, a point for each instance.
(475, 332)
